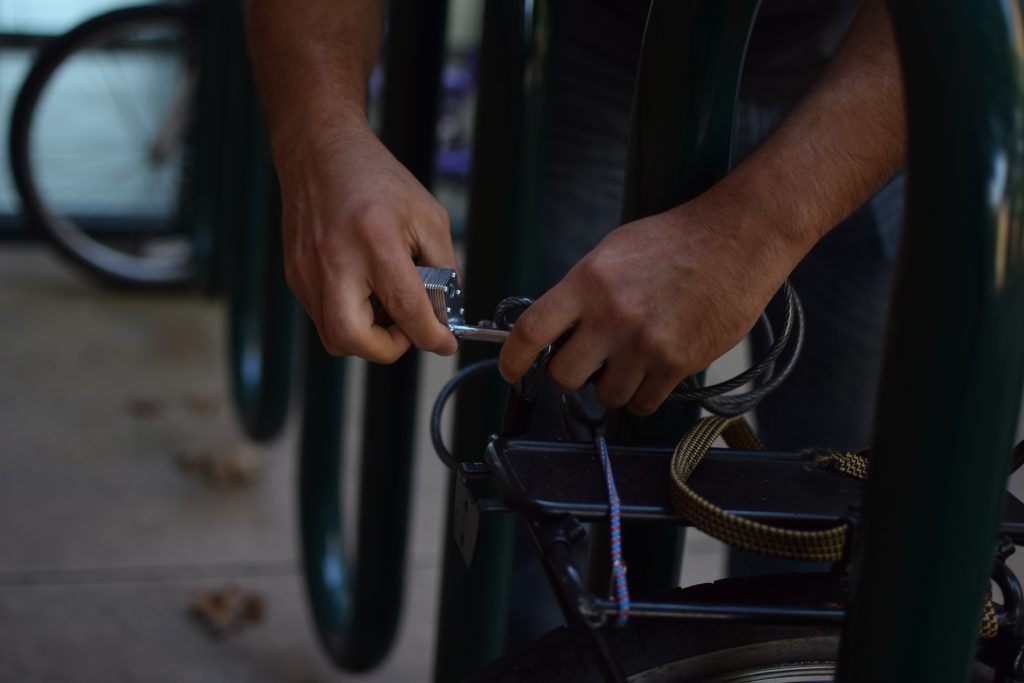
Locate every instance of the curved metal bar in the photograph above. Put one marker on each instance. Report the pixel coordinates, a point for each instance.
(510, 153)
(950, 389)
(261, 309)
(681, 130)
(202, 208)
(357, 604)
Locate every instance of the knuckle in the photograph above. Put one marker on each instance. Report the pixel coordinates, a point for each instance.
(367, 218)
(562, 377)
(384, 357)
(660, 349)
(339, 337)
(438, 216)
(642, 407)
(528, 330)
(562, 386)
(402, 305)
(593, 275)
(329, 343)
(610, 398)
(622, 310)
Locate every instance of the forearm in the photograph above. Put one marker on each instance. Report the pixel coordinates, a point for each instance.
(313, 59)
(354, 220)
(834, 151)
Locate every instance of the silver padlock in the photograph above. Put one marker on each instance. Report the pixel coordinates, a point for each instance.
(446, 299)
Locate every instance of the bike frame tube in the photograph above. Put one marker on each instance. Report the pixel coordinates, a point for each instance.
(509, 157)
(681, 132)
(950, 389)
(357, 605)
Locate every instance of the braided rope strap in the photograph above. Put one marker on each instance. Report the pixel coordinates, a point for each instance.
(854, 465)
(810, 546)
(757, 537)
(989, 620)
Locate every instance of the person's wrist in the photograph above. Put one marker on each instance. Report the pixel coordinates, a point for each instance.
(762, 223)
(303, 142)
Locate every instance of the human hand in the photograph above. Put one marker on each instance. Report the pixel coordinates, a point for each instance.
(355, 222)
(656, 301)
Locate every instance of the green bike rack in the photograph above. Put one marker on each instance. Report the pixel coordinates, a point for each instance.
(681, 130)
(683, 150)
(509, 156)
(261, 310)
(954, 366)
(234, 207)
(356, 606)
(203, 209)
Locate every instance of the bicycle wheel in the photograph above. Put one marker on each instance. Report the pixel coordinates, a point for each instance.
(97, 143)
(677, 651)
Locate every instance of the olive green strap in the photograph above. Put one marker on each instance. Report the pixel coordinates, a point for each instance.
(989, 621)
(809, 546)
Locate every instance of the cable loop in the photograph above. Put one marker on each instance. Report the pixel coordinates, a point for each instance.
(784, 349)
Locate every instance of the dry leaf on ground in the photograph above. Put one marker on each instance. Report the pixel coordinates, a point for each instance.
(226, 610)
(228, 467)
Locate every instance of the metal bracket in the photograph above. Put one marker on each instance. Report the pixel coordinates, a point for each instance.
(466, 519)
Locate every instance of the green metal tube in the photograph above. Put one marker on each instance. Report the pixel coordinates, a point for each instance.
(509, 157)
(357, 604)
(953, 372)
(261, 310)
(202, 208)
(681, 130)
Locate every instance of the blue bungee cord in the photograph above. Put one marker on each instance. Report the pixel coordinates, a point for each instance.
(615, 526)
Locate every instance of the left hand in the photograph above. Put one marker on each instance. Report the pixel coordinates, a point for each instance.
(656, 301)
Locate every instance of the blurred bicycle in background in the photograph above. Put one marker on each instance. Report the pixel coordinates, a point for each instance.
(102, 139)
(98, 143)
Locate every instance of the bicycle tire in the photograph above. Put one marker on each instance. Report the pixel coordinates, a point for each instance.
(674, 650)
(71, 240)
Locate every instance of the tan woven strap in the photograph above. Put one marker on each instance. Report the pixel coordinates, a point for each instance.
(855, 465)
(810, 546)
(989, 621)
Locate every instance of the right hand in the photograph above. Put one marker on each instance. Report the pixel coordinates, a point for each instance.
(355, 223)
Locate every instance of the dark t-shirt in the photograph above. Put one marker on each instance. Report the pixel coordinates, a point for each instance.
(792, 42)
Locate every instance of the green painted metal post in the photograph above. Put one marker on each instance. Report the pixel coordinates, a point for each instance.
(954, 366)
(203, 206)
(413, 60)
(510, 151)
(683, 112)
(261, 310)
(357, 605)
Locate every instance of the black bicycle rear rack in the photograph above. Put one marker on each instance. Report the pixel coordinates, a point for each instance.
(556, 486)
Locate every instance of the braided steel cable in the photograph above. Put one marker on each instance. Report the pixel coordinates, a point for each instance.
(790, 339)
(785, 347)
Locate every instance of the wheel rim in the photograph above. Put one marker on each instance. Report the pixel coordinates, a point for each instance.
(803, 660)
(106, 151)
